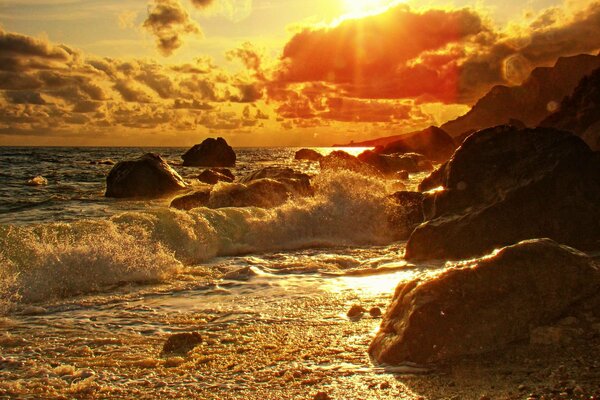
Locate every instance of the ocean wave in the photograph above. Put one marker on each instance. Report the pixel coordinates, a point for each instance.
(57, 260)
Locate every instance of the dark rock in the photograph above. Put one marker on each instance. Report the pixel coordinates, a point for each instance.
(403, 175)
(375, 312)
(264, 193)
(240, 274)
(181, 343)
(148, 176)
(210, 153)
(433, 143)
(435, 180)
(356, 311)
(484, 304)
(308, 154)
(504, 185)
(322, 396)
(390, 164)
(406, 213)
(198, 198)
(529, 102)
(213, 176)
(580, 112)
(340, 160)
(276, 173)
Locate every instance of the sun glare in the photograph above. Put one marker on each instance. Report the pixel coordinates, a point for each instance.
(362, 8)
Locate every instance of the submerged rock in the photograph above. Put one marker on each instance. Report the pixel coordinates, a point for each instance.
(504, 185)
(484, 304)
(390, 164)
(433, 143)
(264, 193)
(340, 160)
(308, 154)
(148, 176)
(215, 175)
(298, 183)
(181, 343)
(210, 153)
(198, 198)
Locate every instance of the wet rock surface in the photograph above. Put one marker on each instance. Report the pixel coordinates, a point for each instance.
(213, 176)
(485, 304)
(308, 154)
(148, 176)
(210, 153)
(181, 343)
(504, 185)
(433, 143)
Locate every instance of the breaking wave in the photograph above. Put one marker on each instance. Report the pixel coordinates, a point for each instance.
(56, 260)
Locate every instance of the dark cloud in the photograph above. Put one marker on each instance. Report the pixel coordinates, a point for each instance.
(24, 97)
(202, 3)
(168, 21)
(130, 93)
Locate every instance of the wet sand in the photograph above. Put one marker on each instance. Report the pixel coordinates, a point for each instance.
(266, 338)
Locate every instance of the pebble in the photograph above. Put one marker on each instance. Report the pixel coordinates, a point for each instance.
(375, 312)
(322, 396)
(355, 311)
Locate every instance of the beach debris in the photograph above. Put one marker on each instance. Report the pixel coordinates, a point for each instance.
(210, 153)
(37, 181)
(356, 311)
(181, 343)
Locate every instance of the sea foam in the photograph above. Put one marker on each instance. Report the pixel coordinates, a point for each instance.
(57, 260)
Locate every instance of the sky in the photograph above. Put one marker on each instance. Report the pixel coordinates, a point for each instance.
(266, 72)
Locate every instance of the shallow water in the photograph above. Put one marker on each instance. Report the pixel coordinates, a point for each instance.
(90, 287)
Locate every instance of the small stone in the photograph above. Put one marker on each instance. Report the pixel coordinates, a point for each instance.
(356, 311)
(322, 396)
(182, 342)
(485, 397)
(375, 312)
(385, 385)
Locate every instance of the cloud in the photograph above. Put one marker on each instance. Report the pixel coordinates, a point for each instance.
(441, 56)
(168, 21)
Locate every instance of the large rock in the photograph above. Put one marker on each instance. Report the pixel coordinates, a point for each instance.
(340, 160)
(264, 193)
(210, 153)
(390, 164)
(213, 176)
(485, 304)
(198, 198)
(308, 154)
(433, 143)
(504, 185)
(406, 213)
(148, 176)
(296, 182)
(529, 102)
(580, 112)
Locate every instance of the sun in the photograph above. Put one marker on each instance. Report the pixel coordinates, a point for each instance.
(362, 8)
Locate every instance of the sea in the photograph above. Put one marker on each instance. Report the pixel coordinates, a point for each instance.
(90, 287)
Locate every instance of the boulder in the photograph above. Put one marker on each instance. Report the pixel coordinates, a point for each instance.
(198, 198)
(210, 153)
(308, 154)
(406, 213)
(340, 160)
(504, 185)
(297, 183)
(390, 164)
(435, 180)
(213, 176)
(433, 143)
(181, 343)
(148, 176)
(484, 304)
(264, 193)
